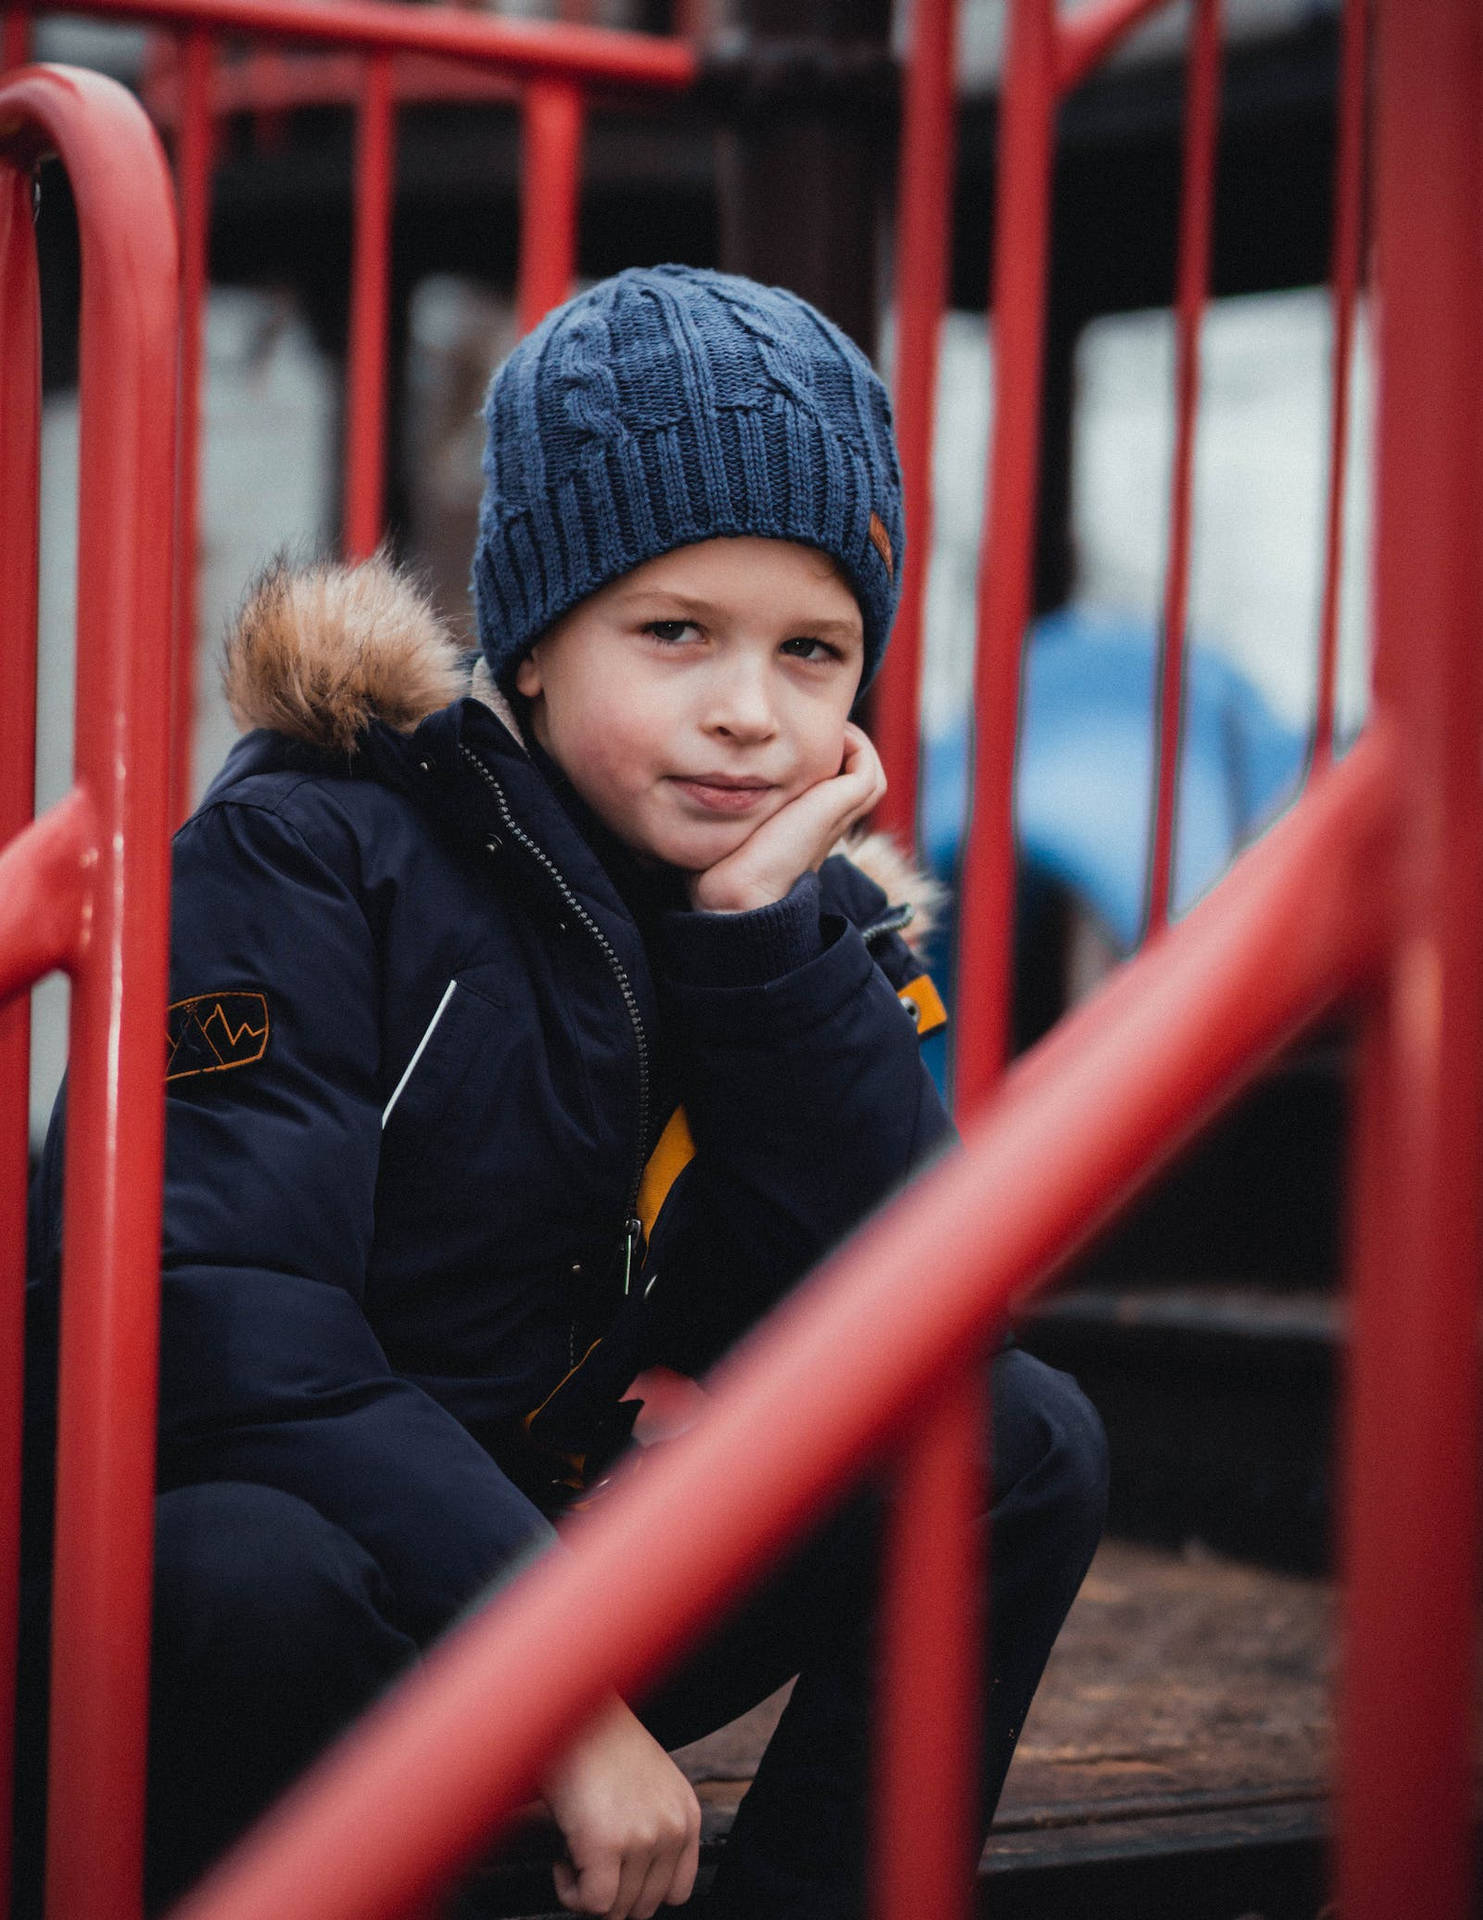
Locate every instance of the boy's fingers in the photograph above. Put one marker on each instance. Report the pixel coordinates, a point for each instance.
(593, 1889)
(657, 1883)
(682, 1883)
(670, 1879)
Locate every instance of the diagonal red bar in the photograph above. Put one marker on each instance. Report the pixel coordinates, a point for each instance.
(1085, 38)
(1202, 107)
(811, 1399)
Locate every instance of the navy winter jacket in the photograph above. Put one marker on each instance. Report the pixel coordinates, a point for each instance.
(420, 1053)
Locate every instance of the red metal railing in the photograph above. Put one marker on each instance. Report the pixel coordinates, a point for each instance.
(1367, 894)
(85, 888)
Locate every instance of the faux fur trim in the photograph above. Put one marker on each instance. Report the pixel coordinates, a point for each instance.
(903, 882)
(317, 652)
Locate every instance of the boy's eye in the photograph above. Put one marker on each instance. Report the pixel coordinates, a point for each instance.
(669, 631)
(803, 647)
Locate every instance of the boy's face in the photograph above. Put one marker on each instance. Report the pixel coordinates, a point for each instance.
(690, 700)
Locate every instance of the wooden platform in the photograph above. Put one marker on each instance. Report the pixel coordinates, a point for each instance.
(1174, 1760)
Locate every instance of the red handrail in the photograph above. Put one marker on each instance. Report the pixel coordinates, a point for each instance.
(95, 869)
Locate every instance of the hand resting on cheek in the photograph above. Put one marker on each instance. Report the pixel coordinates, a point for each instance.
(797, 838)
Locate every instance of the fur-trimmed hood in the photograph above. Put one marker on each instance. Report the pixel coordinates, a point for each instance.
(317, 652)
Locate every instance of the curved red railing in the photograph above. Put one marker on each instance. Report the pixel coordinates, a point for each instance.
(85, 888)
(1366, 895)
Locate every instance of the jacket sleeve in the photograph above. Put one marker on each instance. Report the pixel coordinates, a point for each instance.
(807, 1099)
(270, 1371)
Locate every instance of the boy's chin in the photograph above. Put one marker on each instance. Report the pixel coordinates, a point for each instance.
(694, 852)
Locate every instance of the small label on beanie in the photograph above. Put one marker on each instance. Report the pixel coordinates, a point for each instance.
(881, 541)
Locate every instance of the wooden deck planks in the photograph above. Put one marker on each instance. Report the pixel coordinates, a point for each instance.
(1179, 1738)
(1180, 1682)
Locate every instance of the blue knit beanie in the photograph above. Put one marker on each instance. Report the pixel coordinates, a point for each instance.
(669, 405)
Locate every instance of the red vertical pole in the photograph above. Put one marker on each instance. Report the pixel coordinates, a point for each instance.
(1411, 1509)
(550, 163)
(924, 208)
(193, 185)
(365, 387)
(929, 1668)
(20, 431)
(1344, 282)
(1021, 245)
(15, 37)
(1202, 107)
(110, 1272)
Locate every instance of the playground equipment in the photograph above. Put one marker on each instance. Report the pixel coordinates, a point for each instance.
(1365, 895)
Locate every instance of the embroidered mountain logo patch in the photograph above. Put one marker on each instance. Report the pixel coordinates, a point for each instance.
(211, 1032)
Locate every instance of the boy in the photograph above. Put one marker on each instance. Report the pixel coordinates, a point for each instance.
(449, 963)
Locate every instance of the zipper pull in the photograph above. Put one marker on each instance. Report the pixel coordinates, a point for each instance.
(633, 1233)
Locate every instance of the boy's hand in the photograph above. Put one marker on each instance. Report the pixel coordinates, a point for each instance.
(796, 839)
(630, 1820)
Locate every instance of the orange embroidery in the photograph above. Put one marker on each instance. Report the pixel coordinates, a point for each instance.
(213, 1032)
(881, 541)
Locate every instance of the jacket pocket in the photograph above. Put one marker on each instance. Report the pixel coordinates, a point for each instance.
(426, 1093)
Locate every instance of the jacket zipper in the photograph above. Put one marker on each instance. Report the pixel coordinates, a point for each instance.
(632, 1225)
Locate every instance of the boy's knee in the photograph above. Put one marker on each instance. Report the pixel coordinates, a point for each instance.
(1050, 1446)
(272, 1630)
(248, 1574)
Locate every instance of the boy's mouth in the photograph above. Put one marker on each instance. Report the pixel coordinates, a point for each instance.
(722, 792)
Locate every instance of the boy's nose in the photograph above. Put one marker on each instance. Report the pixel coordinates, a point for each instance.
(740, 704)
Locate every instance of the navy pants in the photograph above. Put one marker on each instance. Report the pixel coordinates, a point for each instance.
(273, 1628)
